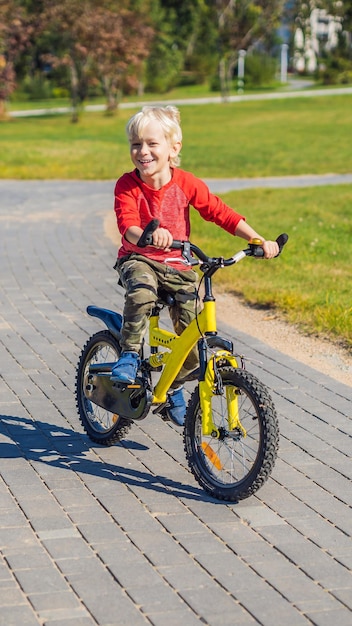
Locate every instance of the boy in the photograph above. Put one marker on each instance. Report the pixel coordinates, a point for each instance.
(157, 188)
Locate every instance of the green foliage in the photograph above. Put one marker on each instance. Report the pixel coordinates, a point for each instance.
(72, 40)
(177, 53)
(242, 25)
(336, 70)
(260, 69)
(164, 65)
(196, 42)
(201, 59)
(181, 19)
(60, 92)
(36, 87)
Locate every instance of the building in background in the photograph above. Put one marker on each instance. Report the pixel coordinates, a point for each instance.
(318, 35)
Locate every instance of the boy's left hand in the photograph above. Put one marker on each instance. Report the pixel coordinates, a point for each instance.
(271, 249)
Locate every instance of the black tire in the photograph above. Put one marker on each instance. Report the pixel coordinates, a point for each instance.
(234, 466)
(100, 425)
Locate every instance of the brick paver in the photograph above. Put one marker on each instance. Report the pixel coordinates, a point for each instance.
(124, 535)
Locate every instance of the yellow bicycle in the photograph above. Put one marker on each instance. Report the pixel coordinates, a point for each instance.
(231, 430)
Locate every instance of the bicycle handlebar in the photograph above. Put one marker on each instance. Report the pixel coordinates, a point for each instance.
(259, 252)
(146, 238)
(254, 248)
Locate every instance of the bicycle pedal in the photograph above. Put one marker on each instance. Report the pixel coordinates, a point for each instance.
(161, 411)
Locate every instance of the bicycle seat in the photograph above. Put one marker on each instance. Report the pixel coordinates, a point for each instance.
(165, 297)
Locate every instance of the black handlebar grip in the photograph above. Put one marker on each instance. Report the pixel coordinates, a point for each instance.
(146, 238)
(257, 249)
(281, 241)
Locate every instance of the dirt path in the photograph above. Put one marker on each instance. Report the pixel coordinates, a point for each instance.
(266, 325)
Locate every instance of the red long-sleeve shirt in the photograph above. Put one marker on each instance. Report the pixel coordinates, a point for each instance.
(136, 204)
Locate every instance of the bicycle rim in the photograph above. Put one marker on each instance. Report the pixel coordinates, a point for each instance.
(101, 425)
(234, 465)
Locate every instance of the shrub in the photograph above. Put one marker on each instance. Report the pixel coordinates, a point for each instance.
(60, 92)
(260, 69)
(36, 87)
(163, 67)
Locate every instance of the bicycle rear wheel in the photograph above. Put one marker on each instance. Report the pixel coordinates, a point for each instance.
(235, 465)
(101, 425)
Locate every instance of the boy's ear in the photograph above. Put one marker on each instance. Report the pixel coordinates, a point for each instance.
(176, 148)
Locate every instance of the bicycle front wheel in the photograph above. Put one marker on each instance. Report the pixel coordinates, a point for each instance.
(236, 464)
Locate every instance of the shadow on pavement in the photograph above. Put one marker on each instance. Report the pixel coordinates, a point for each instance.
(66, 449)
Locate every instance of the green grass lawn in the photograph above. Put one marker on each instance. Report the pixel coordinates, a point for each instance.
(311, 281)
(263, 138)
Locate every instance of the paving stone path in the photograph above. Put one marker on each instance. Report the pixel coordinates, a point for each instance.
(123, 535)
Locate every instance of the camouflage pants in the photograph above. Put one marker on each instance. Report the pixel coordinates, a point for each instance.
(141, 278)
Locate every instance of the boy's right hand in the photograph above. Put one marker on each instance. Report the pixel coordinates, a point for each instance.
(162, 238)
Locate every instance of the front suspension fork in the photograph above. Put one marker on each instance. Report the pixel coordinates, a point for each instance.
(210, 386)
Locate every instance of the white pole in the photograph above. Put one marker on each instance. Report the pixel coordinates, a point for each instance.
(284, 54)
(240, 70)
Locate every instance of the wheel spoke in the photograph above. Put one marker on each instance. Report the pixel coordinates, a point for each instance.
(240, 459)
(100, 419)
(100, 424)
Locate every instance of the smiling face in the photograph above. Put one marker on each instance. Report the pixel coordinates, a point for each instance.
(151, 153)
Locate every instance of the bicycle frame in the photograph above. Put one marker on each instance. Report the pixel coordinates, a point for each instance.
(228, 462)
(202, 329)
(180, 346)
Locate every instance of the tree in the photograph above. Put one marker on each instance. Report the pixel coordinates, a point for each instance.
(165, 60)
(62, 28)
(14, 37)
(184, 19)
(343, 11)
(195, 35)
(120, 42)
(241, 25)
(184, 44)
(95, 40)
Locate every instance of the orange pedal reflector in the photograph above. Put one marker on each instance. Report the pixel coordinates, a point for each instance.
(212, 456)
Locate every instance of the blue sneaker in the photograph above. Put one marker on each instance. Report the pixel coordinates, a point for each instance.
(176, 406)
(125, 369)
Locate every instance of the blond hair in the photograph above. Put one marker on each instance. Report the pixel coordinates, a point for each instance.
(169, 119)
